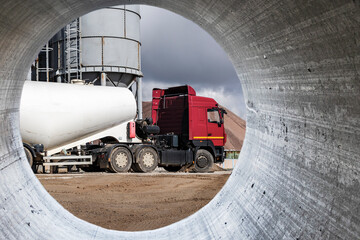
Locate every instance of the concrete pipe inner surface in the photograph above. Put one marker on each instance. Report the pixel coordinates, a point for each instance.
(298, 173)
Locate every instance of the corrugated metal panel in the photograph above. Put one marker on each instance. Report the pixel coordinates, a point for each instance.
(105, 22)
(111, 38)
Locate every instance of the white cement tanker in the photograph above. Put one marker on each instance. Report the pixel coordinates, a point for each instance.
(58, 122)
(55, 114)
(95, 127)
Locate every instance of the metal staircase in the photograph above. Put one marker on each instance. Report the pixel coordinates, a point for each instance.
(73, 51)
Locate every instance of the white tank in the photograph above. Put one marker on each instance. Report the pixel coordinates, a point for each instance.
(110, 42)
(103, 41)
(53, 114)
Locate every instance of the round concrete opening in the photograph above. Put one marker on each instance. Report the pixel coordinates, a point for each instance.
(298, 175)
(133, 202)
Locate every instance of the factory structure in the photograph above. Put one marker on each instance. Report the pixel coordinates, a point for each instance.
(100, 48)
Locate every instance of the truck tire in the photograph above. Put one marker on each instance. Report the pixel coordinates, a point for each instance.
(146, 160)
(120, 160)
(204, 161)
(172, 168)
(29, 157)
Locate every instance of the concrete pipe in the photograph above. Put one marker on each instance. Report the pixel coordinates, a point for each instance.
(298, 175)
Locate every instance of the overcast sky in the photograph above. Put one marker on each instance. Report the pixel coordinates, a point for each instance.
(175, 51)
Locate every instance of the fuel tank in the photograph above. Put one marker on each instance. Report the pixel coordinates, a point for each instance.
(54, 114)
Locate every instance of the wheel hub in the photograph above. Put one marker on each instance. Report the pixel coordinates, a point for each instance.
(148, 159)
(121, 160)
(202, 162)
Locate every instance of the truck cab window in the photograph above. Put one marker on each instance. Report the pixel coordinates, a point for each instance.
(213, 116)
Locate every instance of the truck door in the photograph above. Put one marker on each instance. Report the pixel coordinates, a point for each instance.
(215, 127)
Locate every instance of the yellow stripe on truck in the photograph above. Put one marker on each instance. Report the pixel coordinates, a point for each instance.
(208, 137)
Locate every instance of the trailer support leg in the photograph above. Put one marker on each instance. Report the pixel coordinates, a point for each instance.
(139, 97)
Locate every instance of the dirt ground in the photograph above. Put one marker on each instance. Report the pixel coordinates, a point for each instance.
(131, 201)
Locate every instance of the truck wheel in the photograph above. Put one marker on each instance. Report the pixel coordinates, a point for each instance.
(172, 168)
(204, 161)
(146, 160)
(120, 160)
(29, 157)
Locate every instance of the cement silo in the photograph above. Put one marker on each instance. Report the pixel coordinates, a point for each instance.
(103, 41)
(110, 43)
(101, 48)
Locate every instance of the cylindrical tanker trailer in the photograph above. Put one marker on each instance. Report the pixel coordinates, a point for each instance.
(59, 121)
(56, 114)
(95, 128)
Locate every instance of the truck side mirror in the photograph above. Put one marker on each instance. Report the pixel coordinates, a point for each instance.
(223, 111)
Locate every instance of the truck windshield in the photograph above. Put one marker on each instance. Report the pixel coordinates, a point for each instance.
(213, 116)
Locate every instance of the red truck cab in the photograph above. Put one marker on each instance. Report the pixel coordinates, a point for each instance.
(196, 122)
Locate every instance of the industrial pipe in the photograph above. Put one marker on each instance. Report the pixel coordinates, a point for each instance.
(298, 172)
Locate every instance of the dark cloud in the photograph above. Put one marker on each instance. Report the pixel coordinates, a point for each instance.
(175, 50)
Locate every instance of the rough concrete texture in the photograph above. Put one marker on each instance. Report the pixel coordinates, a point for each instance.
(299, 172)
